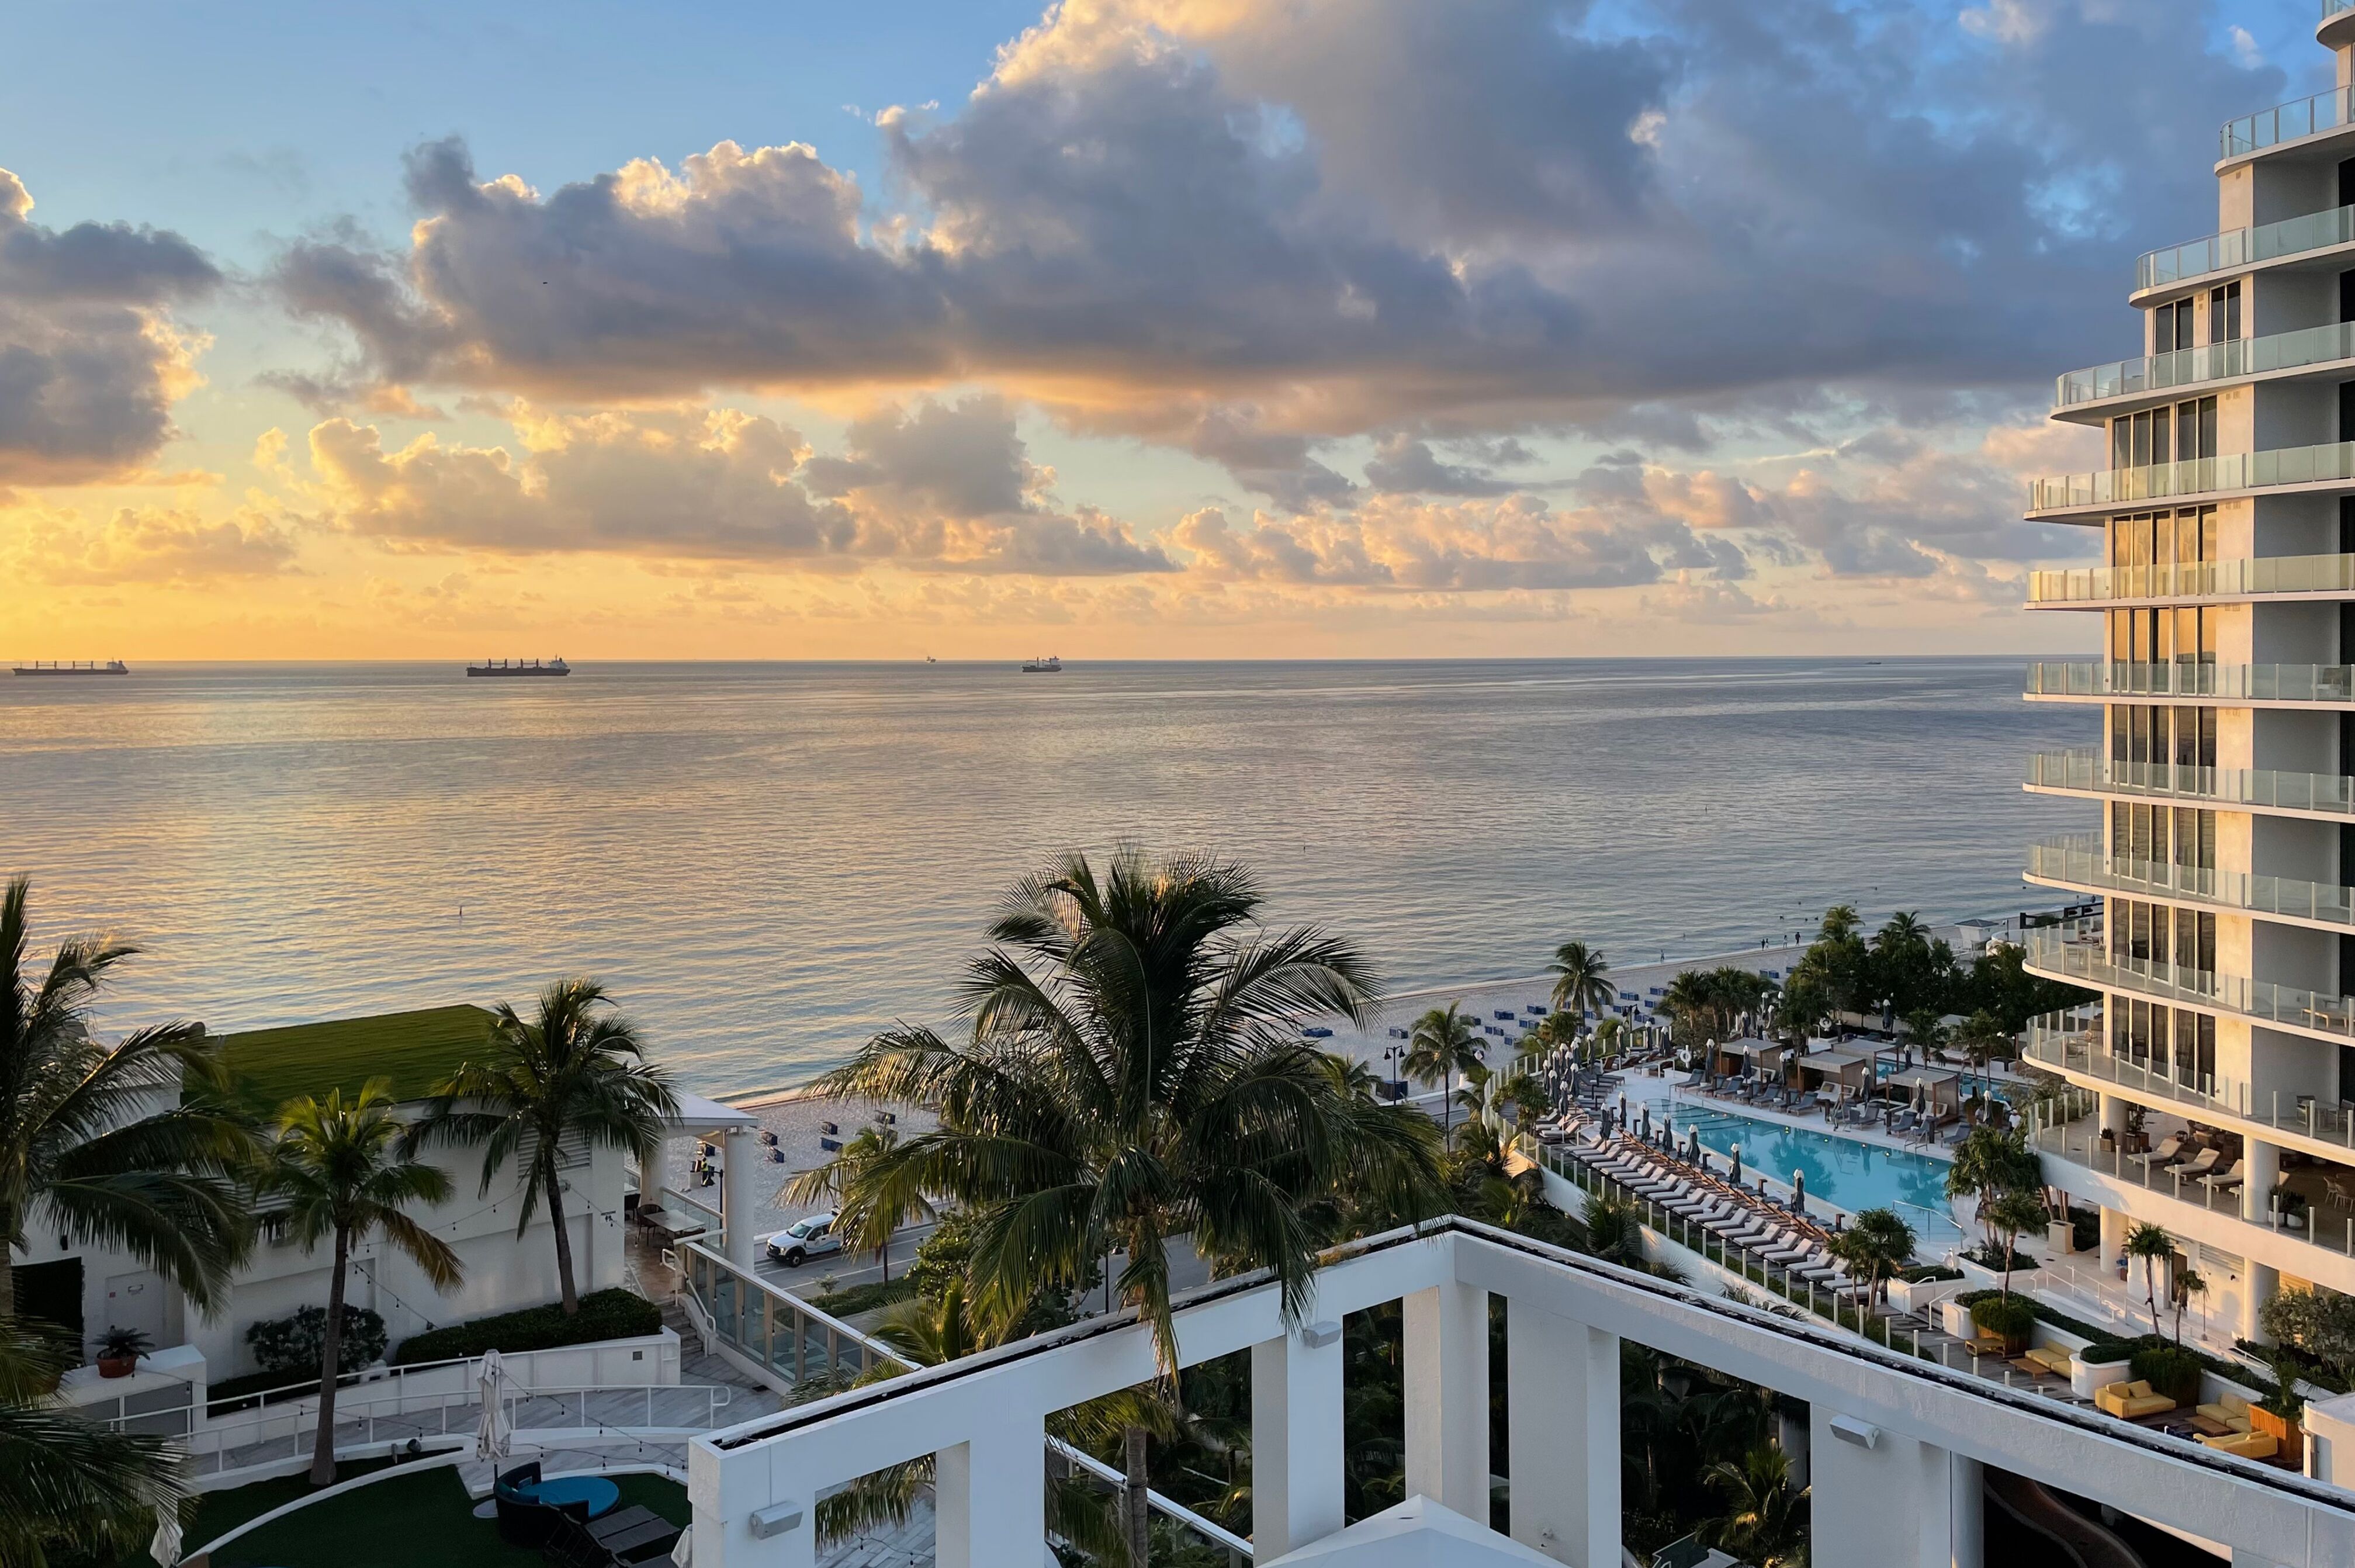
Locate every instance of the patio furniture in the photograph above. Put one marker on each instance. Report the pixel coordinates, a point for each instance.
(525, 1520)
(2245, 1445)
(2131, 1400)
(597, 1494)
(2228, 1177)
(2208, 1160)
(2048, 1358)
(2163, 1154)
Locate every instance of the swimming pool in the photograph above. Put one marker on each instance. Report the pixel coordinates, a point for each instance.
(1843, 1172)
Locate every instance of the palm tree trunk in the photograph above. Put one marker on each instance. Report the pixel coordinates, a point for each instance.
(1138, 1507)
(330, 1348)
(7, 1266)
(563, 1241)
(1447, 1101)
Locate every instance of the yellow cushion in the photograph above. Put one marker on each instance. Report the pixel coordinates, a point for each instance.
(2140, 1388)
(2247, 1445)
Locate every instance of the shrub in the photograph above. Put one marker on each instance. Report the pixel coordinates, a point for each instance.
(861, 1297)
(2319, 1324)
(614, 1314)
(2106, 1353)
(2171, 1369)
(2014, 1318)
(295, 1344)
(1991, 1258)
(1925, 1273)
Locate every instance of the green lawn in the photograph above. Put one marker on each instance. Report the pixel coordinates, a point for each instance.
(416, 1049)
(421, 1521)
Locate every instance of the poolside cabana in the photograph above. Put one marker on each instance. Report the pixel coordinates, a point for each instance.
(1844, 1074)
(1930, 1088)
(1762, 1056)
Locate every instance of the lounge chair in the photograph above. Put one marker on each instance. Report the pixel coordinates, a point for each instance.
(2208, 1160)
(2164, 1154)
(2131, 1400)
(2228, 1177)
(2050, 1359)
(2245, 1445)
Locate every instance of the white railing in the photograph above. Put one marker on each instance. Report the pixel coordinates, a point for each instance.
(2088, 771)
(2210, 362)
(2186, 680)
(2244, 247)
(2289, 122)
(2255, 576)
(2080, 860)
(2329, 463)
(2069, 1048)
(2089, 964)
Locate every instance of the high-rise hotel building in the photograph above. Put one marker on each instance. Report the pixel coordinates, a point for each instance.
(2221, 1059)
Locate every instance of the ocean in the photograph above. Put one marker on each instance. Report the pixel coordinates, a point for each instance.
(767, 862)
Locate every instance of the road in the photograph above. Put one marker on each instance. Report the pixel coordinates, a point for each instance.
(1186, 1269)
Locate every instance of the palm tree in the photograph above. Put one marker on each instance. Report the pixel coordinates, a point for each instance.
(827, 1183)
(1766, 1521)
(1875, 1245)
(1989, 1161)
(2010, 1212)
(69, 1487)
(1690, 1003)
(2152, 1244)
(2187, 1284)
(1982, 1037)
(1840, 921)
(1443, 1043)
(1134, 1072)
(1607, 1034)
(1901, 929)
(120, 1144)
(576, 1071)
(1582, 979)
(344, 1171)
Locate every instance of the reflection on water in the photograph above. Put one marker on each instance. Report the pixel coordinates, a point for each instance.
(769, 862)
(1841, 1171)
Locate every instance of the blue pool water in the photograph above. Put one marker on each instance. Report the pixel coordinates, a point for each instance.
(1841, 1171)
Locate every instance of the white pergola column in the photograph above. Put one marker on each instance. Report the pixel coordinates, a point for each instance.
(1297, 1487)
(1562, 1426)
(1447, 1397)
(1882, 1501)
(740, 1157)
(989, 1500)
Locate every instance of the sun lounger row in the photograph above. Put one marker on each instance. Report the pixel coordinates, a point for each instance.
(1789, 1242)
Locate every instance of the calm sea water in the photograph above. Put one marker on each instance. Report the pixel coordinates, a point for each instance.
(767, 862)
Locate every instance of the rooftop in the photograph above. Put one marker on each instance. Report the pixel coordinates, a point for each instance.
(417, 1050)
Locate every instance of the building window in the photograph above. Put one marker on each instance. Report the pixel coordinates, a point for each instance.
(2224, 314)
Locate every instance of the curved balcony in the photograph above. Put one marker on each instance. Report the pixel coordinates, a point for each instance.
(2237, 248)
(2230, 685)
(2079, 862)
(2290, 122)
(2065, 1043)
(2154, 373)
(2086, 772)
(2260, 576)
(2088, 964)
(2330, 465)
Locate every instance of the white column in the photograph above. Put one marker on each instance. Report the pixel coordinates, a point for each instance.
(1298, 1488)
(2113, 1237)
(740, 1155)
(1881, 1501)
(1562, 1427)
(1968, 1485)
(990, 1498)
(2260, 1171)
(1447, 1397)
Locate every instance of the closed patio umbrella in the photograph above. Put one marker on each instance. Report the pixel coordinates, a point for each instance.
(492, 1433)
(165, 1548)
(1799, 1191)
(1736, 1177)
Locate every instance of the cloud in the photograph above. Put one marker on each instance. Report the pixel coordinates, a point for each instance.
(935, 487)
(90, 361)
(1392, 542)
(142, 545)
(1400, 462)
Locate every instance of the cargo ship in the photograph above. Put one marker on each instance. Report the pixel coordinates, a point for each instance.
(51, 667)
(519, 666)
(1050, 665)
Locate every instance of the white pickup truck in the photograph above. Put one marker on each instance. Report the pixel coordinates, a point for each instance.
(809, 1237)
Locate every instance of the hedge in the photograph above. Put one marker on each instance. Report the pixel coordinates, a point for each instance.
(614, 1314)
(863, 1298)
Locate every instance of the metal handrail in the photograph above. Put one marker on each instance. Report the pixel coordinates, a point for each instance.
(2186, 680)
(2252, 577)
(2289, 122)
(2085, 768)
(2243, 247)
(2223, 361)
(2325, 463)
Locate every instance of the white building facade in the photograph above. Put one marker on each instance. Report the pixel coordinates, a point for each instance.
(2224, 855)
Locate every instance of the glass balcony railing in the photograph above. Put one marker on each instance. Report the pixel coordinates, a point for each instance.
(2079, 861)
(2333, 8)
(2195, 580)
(2255, 789)
(2214, 362)
(2068, 1129)
(2246, 247)
(2289, 122)
(2322, 465)
(2088, 962)
(2183, 679)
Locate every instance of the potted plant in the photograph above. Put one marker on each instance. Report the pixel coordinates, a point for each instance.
(2010, 1317)
(119, 1350)
(2280, 1411)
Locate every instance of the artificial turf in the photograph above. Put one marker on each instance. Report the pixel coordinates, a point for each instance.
(421, 1521)
(417, 1050)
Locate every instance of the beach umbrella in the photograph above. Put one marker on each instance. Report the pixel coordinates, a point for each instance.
(492, 1433)
(1798, 1192)
(1737, 1165)
(1646, 1123)
(165, 1548)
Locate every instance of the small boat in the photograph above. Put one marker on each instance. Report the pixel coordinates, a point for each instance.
(86, 666)
(519, 666)
(1050, 665)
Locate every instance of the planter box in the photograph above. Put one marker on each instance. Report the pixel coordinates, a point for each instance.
(2086, 1378)
(2062, 1237)
(1955, 1319)
(1921, 1298)
(2286, 1431)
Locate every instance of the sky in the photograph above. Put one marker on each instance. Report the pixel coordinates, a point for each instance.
(1121, 329)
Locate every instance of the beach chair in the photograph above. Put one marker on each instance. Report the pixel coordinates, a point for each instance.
(2163, 1154)
(2207, 1162)
(2227, 1178)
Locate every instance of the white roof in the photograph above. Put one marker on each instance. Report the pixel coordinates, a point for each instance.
(1920, 1076)
(697, 1114)
(1833, 1060)
(1416, 1533)
(1752, 1047)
